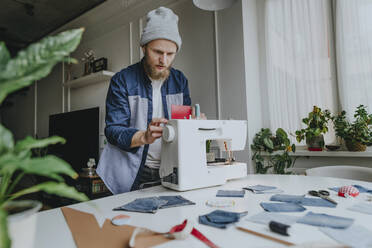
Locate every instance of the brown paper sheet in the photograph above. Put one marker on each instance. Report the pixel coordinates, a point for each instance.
(87, 233)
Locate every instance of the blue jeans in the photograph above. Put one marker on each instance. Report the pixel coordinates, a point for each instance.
(147, 177)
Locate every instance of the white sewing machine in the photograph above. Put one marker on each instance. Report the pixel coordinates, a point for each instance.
(183, 154)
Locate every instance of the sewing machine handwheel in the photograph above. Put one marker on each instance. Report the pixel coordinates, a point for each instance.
(168, 133)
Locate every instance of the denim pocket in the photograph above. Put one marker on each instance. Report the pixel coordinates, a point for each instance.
(220, 218)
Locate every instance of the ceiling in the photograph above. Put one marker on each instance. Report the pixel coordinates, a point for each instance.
(25, 21)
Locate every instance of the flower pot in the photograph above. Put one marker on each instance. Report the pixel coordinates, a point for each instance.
(355, 146)
(22, 222)
(315, 143)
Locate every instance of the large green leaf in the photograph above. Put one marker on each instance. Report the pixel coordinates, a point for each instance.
(4, 236)
(31, 143)
(6, 139)
(4, 55)
(48, 166)
(7, 87)
(9, 163)
(268, 143)
(55, 188)
(37, 61)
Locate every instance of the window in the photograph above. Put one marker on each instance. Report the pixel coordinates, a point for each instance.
(300, 59)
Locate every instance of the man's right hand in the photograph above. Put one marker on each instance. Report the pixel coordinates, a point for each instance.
(153, 132)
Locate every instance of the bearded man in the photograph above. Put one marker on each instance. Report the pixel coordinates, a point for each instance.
(138, 104)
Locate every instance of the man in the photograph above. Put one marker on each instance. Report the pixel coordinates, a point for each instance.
(138, 104)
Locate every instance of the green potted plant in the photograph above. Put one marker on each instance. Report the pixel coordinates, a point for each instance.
(265, 141)
(17, 219)
(357, 134)
(317, 125)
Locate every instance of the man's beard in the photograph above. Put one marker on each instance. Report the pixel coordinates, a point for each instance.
(153, 73)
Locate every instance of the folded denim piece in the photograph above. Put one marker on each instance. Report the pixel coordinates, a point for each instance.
(152, 204)
(302, 200)
(220, 218)
(265, 218)
(359, 187)
(143, 205)
(288, 198)
(259, 187)
(317, 202)
(175, 201)
(354, 236)
(362, 207)
(230, 193)
(282, 207)
(325, 220)
(262, 189)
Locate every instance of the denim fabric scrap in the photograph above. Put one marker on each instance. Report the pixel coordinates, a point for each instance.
(230, 193)
(325, 220)
(317, 202)
(152, 204)
(354, 236)
(143, 205)
(302, 200)
(362, 207)
(288, 198)
(265, 218)
(282, 207)
(263, 189)
(220, 218)
(359, 187)
(175, 201)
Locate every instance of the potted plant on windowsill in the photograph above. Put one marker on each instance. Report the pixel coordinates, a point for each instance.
(357, 134)
(317, 125)
(17, 218)
(265, 141)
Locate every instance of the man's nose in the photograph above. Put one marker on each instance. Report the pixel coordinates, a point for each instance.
(163, 58)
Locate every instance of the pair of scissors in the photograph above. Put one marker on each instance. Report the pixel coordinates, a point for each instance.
(324, 194)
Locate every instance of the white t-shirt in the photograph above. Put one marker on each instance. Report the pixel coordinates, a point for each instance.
(153, 155)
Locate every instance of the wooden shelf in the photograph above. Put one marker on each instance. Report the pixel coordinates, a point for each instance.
(93, 78)
(303, 152)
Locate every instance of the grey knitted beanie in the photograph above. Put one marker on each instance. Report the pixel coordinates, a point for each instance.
(162, 23)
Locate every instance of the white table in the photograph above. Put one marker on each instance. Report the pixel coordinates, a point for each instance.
(52, 230)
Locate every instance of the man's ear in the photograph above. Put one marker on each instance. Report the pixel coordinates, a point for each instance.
(143, 49)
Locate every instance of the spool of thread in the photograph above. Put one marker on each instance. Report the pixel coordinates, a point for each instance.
(197, 111)
(279, 228)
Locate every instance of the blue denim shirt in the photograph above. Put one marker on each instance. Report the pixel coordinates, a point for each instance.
(129, 109)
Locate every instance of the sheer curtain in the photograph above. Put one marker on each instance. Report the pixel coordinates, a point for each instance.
(354, 53)
(298, 64)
